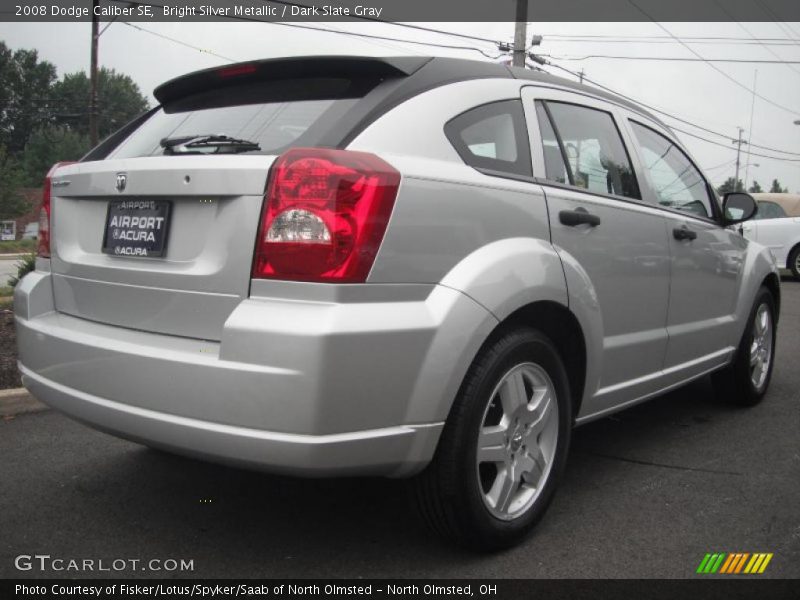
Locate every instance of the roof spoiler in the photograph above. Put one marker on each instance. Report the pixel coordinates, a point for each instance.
(301, 67)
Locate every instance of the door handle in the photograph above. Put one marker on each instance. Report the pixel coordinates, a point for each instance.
(684, 233)
(579, 216)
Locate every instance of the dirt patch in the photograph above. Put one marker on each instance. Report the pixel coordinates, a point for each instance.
(9, 374)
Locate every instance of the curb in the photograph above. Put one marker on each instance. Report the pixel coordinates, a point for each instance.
(18, 401)
(13, 256)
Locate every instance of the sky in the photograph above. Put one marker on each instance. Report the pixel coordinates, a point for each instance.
(693, 91)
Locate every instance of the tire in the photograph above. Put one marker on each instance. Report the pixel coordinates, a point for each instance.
(485, 505)
(794, 262)
(745, 381)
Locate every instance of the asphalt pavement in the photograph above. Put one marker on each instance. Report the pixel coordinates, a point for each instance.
(647, 493)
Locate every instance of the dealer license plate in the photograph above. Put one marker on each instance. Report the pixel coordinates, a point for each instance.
(137, 227)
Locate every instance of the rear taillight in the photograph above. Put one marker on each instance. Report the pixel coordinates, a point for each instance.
(44, 213)
(325, 215)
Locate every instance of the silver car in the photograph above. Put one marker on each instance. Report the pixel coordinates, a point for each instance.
(406, 267)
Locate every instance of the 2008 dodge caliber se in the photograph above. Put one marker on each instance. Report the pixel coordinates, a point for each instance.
(399, 266)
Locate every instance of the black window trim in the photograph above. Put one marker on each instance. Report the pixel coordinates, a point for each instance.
(521, 137)
(712, 199)
(560, 143)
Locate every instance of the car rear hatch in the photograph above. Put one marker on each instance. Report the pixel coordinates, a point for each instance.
(156, 230)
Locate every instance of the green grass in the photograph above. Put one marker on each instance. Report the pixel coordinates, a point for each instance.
(6, 290)
(18, 246)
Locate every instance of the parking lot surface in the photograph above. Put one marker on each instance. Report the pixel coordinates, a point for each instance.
(647, 493)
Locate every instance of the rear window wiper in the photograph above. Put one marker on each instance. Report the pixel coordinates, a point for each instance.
(194, 144)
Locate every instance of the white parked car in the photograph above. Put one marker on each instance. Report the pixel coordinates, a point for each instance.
(777, 226)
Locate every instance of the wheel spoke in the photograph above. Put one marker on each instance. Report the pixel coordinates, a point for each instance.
(754, 353)
(491, 444)
(532, 465)
(512, 393)
(541, 411)
(503, 489)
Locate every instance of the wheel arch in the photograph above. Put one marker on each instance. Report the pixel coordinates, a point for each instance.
(773, 284)
(562, 327)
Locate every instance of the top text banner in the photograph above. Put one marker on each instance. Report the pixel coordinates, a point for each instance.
(399, 10)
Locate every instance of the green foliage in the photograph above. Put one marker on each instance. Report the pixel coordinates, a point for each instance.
(25, 96)
(729, 187)
(777, 189)
(755, 188)
(48, 146)
(18, 246)
(25, 265)
(12, 178)
(118, 98)
(43, 121)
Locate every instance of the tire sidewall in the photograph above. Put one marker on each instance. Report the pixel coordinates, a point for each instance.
(752, 394)
(793, 255)
(524, 346)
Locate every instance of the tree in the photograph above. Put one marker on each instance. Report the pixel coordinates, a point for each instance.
(755, 188)
(25, 85)
(777, 189)
(118, 99)
(12, 178)
(728, 186)
(49, 145)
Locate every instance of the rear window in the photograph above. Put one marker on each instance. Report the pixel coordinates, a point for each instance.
(493, 137)
(275, 117)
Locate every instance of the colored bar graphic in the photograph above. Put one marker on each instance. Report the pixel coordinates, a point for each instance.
(718, 563)
(734, 563)
(740, 564)
(764, 564)
(755, 563)
(703, 563)
(726, 566)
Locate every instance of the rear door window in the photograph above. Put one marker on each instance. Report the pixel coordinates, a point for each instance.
(492, 137)
(589, 139)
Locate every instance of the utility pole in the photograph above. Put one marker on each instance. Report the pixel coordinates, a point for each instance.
(93, 135)
(738, 143)
(581, 76)
(520, 34)
(750, 131)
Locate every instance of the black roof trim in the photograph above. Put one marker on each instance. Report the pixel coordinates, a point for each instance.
(299, 67)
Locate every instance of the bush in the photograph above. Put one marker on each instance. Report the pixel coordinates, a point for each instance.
(25, 265)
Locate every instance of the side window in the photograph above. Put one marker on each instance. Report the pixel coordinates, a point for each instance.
(769, 210)
(492, 136)
(554, 165)
(675, 180)
(597, 159)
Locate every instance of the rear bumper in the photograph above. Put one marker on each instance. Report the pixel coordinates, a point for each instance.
(306, 388)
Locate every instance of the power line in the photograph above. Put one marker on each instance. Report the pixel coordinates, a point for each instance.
(670, 115)
(478, 50)
(712, 65)
(778, 21)
(682, 120)
(676, 58)
(406, 25)
(665, 39)
(182, 43)
(747, 31)
(321, 29)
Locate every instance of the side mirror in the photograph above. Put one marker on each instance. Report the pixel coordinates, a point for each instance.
(738, 207)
